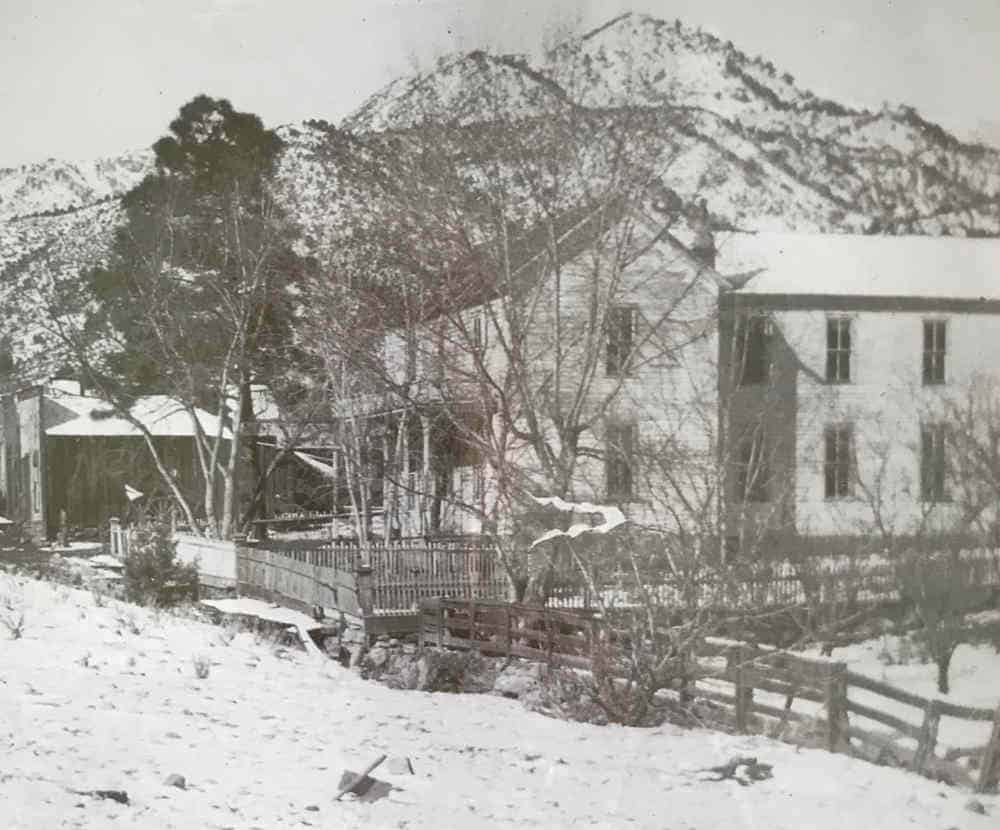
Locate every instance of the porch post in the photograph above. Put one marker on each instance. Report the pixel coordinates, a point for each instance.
(425, 432)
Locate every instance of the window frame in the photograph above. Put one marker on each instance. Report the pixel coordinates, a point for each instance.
(480, 333)
(935, 351)
(842, 469)
(934, 463)
(616, 364)
(838, 356)
(747, 336)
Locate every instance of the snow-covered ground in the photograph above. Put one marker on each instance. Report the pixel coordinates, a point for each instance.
(103, 695)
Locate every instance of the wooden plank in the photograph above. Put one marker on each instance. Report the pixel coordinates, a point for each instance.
(758, 681)
(973, 713)
(892, 721)
(712, 694)
(777, 712)
(886, 690)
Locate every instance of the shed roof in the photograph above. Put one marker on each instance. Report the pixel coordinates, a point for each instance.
(930, 267)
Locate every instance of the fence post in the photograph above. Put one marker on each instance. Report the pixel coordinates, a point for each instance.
(928, 735)
(114, 536)
(509, 633)
(837, 738)
(737, 659)
(442, 615)
(989, 769)
(366, 599)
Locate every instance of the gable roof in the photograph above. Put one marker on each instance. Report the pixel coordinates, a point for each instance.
(924, 267)
(83, 416)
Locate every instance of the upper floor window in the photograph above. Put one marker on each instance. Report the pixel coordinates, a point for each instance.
(838, 461)
(619, 461)
(621, 328)
(479, 333)
(935, 350)
(752, 475)
(753, 340)
(838, 350)
(933, 462)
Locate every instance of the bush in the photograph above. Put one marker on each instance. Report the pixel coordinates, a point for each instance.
(153, 574)
(202, 666)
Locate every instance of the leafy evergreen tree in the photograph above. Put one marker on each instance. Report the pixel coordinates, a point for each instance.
(196, 300)
(153, 574)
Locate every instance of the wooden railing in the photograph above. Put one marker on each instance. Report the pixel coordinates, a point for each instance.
(570, 639)
(511, 629)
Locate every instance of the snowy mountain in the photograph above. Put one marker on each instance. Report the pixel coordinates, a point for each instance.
(52, 186)
(765, 153)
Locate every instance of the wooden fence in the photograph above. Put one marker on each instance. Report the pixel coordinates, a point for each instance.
(730, 672)
(827, 581)
(370, 580)
(511, 630)
(304, 580)
(405, 573)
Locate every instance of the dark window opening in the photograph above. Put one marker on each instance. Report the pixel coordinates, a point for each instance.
(619, 461)
(621, 325)
(838, 461)
(753, 335)
(935, 349)
(838, 350)
(933, 469)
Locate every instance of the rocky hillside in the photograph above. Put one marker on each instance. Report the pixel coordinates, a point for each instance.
(52, 187)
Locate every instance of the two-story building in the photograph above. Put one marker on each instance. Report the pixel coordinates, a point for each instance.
(780, 392)
(849, 361)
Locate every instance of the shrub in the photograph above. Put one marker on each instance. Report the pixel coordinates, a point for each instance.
(202, 666)
(12, 612)
(153, 574)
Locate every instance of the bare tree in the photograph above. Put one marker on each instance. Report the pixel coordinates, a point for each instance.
(519, 247)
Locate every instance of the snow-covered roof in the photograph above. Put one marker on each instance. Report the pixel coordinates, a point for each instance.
(163, 416)
(933, 267)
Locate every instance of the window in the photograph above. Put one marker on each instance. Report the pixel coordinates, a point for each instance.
(838, 461)
(621, 324)
(619, 461)
(935, 347)
(932, 462)
(838, 350)
(753, 336)
(752, 475)
(479, 333)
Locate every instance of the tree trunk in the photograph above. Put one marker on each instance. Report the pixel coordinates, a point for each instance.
(943, 662)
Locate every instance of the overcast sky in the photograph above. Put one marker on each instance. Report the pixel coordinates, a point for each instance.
(96, 77)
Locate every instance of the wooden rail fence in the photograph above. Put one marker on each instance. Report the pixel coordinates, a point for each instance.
(569, 638)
